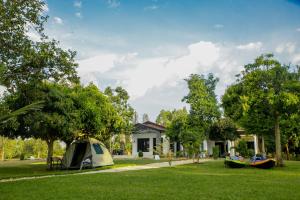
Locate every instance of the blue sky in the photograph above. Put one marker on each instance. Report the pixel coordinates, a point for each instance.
(150, 46)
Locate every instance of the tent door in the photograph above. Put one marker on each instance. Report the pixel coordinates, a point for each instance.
(78, 155)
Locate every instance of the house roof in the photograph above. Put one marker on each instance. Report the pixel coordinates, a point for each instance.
(150, 125)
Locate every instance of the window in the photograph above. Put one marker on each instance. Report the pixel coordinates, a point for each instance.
(97, 148)
(143, 144)
(154, 144)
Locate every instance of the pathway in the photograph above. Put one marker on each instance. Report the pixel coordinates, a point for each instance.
(120, 169)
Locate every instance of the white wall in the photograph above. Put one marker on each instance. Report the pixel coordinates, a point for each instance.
(143, 135)
(208, 146)
(150, 135)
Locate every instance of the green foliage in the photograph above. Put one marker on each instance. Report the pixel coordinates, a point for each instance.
(24, 61)
(242, 148)
(266, 93)
(141, 154)
(178, 127)
(204, 108)
(216, 152)
(251, 153)
(223, 129)
(165, 117)
(119, 98)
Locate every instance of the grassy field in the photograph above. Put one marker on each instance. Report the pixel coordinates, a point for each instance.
(196, 181)
(17, 168)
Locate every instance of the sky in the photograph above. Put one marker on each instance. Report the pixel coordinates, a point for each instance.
(150, 46)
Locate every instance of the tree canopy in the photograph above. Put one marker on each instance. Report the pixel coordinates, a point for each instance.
(265, 93)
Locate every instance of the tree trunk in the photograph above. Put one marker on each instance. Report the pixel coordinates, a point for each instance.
(287, 151)
(3, 149)
(278, 142)
(263, 150)
(50, 153)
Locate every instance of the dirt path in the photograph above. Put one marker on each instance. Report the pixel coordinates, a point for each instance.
(120, 169)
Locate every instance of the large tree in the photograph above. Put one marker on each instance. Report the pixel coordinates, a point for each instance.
(119, 98)
(56, 120)
(204, 109)
(265, 93)
(23, 61)
(26, 65)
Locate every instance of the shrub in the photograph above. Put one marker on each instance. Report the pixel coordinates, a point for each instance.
(216, 152)
(141, 154)
(179, 154)
(251, 153)
(242, 148)
(22, 156)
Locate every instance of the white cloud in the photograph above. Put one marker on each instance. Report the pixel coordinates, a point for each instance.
(287, 47)
(296, 59)
(218, 26)
(152, 7)
(298, 29)
(58, 20)
(78, 14)
(100, 63)
(250, 46)
(157, 82)
(140, 74)
(77, 4)
(113, 3)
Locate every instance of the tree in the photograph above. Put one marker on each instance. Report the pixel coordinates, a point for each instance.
(267, 92)
(145, 117)
(178, 128)
(164, 118)
(56, 120)
(204, 108)
(223, 129)
(26, 65)
(24, 61)
(119, 98)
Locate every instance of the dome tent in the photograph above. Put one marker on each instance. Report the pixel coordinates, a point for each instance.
(89, 152)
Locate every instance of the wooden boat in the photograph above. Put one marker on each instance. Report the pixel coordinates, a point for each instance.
(263, 164)
(234, 163)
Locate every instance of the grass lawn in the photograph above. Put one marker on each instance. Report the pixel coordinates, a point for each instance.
(17, 168)
(196, 181)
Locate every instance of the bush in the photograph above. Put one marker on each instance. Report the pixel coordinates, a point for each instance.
(141, 154)
(216, 152)
(242, 148)
(22, 156)
(251, 153)
(179, 154)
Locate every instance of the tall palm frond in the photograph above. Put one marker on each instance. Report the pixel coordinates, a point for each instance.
(31, 107)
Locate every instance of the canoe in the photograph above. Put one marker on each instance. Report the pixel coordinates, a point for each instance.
(263, 164)
(234, 163)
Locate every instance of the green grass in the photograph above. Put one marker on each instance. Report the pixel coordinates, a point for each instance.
(17, 168)
(196, 181)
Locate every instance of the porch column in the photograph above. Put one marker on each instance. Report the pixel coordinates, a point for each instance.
(231, 150)
(255, 144)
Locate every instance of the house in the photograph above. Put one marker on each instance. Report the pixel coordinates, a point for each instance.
(226, 146)
(147, 137)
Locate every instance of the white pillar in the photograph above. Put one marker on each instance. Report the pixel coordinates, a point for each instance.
(255, 144)
(231, 150)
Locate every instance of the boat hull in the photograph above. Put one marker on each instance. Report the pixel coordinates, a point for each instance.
(234, 163)
(264, 164)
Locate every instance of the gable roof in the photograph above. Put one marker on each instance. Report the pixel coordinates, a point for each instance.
(150, 125)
